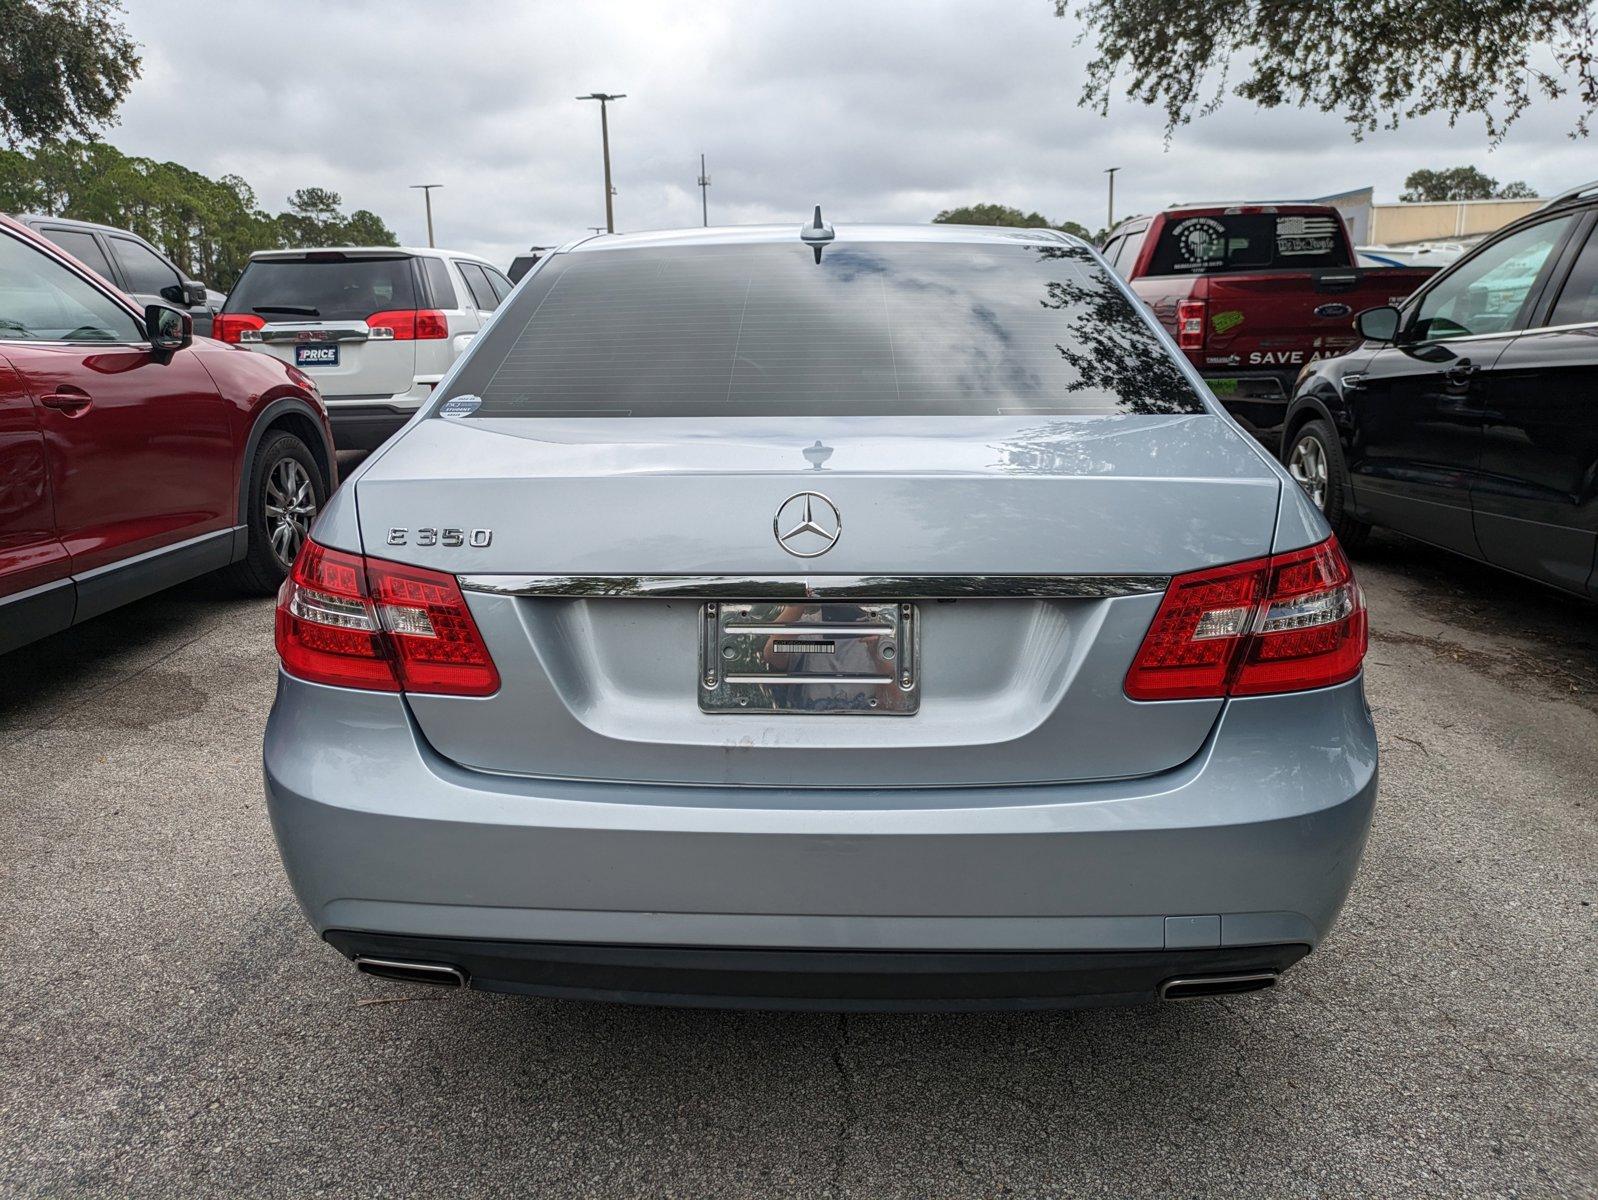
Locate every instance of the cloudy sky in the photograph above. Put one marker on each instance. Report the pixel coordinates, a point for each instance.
(877, 111)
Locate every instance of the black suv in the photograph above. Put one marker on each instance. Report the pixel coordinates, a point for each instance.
(127, 261)
(1468, 418)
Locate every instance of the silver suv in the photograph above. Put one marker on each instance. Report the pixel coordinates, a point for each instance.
(880, 617)
(374, 327)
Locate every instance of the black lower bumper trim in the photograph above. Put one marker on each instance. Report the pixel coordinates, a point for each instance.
(832, 980)
(365, 426)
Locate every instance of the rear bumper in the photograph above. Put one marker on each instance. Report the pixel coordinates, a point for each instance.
(366, 426)
(1252, 844)
(1257, 399)
(852, 980)
(366, 422)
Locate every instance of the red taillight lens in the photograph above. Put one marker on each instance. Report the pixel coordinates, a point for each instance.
(1282, 624)
(437, 647)
(1190, 324)
(327, 630)
(1311, 630)
(404, 325)
(366, 623)
(231, 327)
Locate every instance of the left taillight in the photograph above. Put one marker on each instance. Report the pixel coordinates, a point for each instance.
(234, 328)
(356, 622)
(1286, 623)
(1190, 316)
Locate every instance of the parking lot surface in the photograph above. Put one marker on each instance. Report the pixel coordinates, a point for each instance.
(172, 1026)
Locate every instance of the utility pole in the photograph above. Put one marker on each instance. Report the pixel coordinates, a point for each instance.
(704, 191)
(427, 194)
(604, 135)
(1110, 222)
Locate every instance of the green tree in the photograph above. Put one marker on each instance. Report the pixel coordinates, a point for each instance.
(1461, 183)
(65, 66)
(1374, 62)
(366, 228)
(1003, 214)
(207, 226)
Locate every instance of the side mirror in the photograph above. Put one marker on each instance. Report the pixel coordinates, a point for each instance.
(1379, 324)
(168, 329)
(194, 292)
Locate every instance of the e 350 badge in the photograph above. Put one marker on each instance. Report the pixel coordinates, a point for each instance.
(427, 535)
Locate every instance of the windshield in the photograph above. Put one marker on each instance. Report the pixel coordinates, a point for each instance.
(1248, 242)
(870, 329)
(331, 288)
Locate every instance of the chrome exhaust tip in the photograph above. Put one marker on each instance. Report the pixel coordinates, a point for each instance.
(1217, 985)
(436, 974)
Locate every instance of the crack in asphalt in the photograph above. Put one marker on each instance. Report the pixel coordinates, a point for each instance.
(849, 1109)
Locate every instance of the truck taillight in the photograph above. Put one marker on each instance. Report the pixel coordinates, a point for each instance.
(1286, 623)
(405, 325)
(349, 621)
(234, 328)
(1190, 324)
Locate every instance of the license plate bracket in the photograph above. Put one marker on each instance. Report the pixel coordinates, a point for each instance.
(815, 657)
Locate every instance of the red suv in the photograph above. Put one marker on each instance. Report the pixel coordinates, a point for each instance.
(132, 456)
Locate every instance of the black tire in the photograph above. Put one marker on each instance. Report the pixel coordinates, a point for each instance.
(282, 464)
(1335, 503)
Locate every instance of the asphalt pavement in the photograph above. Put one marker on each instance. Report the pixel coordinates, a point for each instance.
(172, 1027)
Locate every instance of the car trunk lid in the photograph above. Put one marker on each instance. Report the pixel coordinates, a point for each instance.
(566, 531)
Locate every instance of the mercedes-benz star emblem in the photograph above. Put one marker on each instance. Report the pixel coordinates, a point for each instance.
(807, 525)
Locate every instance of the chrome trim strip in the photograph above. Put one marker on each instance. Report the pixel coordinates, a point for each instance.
(1501, 334)
(322, 336)
(776, 677)
(1465, 337)
(1559, 328)
(804, 587)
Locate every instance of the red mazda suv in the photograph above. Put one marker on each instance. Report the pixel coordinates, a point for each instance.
(133, 456)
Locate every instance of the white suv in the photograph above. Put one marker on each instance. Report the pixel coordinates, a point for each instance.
(375, 327)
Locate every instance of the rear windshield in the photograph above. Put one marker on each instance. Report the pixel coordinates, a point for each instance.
(871, 329)
(333, 288)
(1248, 242)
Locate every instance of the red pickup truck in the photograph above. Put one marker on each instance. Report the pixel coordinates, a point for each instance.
(1252, 292)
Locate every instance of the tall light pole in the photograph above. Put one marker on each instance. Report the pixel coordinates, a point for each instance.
(1110, 222)
(427, 194)
(604, 135)
(704, 191)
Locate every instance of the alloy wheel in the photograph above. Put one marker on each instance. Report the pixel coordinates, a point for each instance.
(290, 508)
(1307, 464)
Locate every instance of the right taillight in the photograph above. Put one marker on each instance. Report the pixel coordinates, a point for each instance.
(1190, 324)
(356, 622)
(406, 325)
(1285, 623)
(234, 328)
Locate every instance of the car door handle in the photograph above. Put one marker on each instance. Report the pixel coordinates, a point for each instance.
(1459, 372)
(67, 399)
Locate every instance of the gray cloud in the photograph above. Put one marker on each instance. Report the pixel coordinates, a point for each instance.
(881, 111)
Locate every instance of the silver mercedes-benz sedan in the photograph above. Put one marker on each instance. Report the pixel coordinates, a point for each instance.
(881, 617)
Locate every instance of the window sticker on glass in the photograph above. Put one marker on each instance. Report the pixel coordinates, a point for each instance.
(1304, 235)
(1200, 243)
(461, 406)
